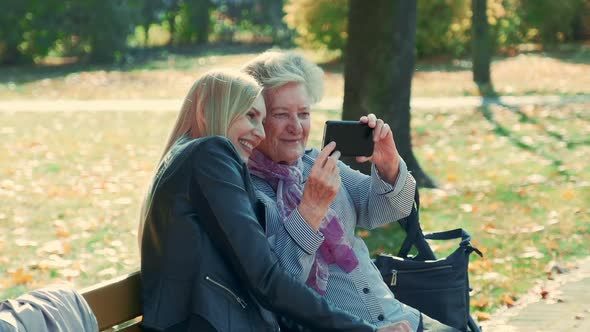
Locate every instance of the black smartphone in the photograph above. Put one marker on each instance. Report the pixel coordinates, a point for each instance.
(352, 138)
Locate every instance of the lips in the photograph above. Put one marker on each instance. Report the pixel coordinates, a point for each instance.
(291, 140)
(247, 146)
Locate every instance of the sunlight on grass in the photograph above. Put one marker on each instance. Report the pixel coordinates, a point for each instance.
(169, 73)
(71, 186)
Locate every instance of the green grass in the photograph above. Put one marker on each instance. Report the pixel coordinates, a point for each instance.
(71, 186)
(517, 179)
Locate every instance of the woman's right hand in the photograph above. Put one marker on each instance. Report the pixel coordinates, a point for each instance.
(402, 326)
(322, 186)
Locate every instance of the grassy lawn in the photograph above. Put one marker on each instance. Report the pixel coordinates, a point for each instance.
(516, 179)
(71, 185)
(166, 74)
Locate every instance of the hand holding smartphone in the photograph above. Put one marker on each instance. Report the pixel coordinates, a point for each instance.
(352, 138)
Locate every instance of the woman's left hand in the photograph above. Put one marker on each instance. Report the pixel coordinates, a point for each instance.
(385, 155)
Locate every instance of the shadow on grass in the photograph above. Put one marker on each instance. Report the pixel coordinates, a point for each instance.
(573, 53)
(135, 59)
(492, 98)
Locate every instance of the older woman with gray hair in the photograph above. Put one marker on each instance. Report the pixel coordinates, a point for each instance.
(314, 202)
(205, 261)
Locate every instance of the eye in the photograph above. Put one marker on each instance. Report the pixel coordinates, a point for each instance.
(304, 115)
(280, 115)
(251, 115)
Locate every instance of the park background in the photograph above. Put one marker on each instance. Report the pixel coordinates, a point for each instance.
(89, 90)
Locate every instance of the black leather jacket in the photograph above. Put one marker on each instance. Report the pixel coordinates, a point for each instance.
(205, 261)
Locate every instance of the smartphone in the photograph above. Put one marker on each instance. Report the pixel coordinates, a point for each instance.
(352, 138)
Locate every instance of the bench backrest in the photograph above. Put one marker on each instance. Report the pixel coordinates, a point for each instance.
(116, 302)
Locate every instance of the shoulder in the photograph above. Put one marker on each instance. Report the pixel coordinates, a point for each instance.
(209, 147)
(204, 150)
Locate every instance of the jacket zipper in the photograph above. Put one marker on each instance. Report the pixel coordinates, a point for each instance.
(394, 273)
(238, 299)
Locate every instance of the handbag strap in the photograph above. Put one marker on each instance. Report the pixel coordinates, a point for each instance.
(458, 233)
(414, 235)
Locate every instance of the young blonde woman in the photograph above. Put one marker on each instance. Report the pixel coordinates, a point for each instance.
(205, 261)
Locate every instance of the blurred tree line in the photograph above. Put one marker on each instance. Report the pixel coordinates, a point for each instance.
(443, 27)
(99, 30)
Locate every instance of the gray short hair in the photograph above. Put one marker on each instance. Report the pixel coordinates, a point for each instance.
(273, 69)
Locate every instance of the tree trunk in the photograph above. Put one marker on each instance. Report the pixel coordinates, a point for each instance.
(379, 63)
(480, 47)
(199, 14)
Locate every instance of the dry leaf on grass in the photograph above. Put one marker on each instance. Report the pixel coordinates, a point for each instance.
(20, 277)
(480, 303)
(363, 234)
(482, 316)
(507, 299)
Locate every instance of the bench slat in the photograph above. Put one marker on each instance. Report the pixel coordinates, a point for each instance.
(115, 301)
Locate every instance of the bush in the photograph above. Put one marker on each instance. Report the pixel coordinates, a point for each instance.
(98, 29)
(552, 21)
(443, 26)
(320, 24)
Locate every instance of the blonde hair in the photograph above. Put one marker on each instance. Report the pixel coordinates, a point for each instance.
(273, 69)
(214, 101)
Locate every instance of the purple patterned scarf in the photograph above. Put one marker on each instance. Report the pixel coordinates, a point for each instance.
(287, 181)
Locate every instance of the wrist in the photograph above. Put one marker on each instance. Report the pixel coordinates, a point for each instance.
(389, 172)
(313, 215)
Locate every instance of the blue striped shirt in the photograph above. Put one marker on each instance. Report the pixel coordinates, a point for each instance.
(363, 201)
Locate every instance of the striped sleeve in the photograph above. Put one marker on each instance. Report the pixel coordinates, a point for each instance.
(377, 202)
(293, 241)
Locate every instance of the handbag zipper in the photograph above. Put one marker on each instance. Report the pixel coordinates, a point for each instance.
(394, 273)
(238, 299)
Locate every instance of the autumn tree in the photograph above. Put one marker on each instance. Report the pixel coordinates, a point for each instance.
(379, 63)
(480, 47)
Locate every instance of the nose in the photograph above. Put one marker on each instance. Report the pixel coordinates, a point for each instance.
(259, 131)
(295, 125)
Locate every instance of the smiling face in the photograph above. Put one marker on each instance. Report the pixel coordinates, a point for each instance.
(246, 131)
(287, 124)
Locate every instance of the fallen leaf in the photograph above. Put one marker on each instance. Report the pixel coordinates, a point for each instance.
(480, 303)
(21, 277)
(363, 233)
(568, 194)
(544, 293)
(63, 233)
(482, 316)
(508, 300)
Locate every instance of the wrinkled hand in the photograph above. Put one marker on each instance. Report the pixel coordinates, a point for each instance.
(322, 186)
(402, 326)
(385, 155)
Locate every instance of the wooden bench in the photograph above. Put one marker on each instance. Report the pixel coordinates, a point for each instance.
(116, 303)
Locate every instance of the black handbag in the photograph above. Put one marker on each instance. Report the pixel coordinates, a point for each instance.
(438, 288)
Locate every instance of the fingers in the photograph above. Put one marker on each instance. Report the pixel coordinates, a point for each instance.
(380, 128)
(335, 157)
(325, 153)
(370, 119)
(402, 326)
(385, 131)
(362, 159)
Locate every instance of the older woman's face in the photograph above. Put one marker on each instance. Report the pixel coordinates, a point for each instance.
(287, 123)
